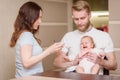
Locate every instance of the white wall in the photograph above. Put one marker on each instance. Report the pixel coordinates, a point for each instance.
(114, 29)
(114, 23)
(55, 21)
(8, 12)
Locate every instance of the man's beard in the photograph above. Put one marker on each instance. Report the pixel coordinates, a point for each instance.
(85, 27)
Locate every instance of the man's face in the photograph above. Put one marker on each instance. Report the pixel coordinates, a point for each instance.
(81, 19)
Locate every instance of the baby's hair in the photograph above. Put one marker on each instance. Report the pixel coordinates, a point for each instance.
(89, 38)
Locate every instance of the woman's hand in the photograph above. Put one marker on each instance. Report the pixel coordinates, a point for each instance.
(55, 48)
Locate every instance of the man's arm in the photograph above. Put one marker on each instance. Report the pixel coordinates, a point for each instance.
(62, 61)
(110, 63)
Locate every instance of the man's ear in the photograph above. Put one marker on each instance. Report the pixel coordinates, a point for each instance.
(89, 15)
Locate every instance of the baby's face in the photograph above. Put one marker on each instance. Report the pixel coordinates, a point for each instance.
(86, 43)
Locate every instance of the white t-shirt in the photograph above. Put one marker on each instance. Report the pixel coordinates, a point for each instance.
(72, 43)
(27, 38)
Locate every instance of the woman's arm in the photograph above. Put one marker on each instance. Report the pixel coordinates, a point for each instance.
(28, 60)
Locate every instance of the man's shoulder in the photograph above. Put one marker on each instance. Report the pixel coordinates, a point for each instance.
(99, 32)
(71, 33)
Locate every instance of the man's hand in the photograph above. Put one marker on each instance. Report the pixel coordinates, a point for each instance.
(94, 57)
(66, 58)
(76, 60)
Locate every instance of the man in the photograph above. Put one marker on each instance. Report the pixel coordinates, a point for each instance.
(67, 57)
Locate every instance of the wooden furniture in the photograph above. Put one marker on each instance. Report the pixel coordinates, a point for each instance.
(76, 76)
(39, 78)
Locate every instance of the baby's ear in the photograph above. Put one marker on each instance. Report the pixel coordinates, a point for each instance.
(93, 45)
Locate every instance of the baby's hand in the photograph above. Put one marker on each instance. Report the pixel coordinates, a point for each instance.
(101, 55)
(83, 53)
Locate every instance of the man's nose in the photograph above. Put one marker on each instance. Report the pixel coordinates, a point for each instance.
(79, 21)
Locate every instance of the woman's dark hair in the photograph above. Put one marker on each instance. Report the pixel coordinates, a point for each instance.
(28, 14)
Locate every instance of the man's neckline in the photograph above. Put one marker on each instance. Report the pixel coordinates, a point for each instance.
(90, 27)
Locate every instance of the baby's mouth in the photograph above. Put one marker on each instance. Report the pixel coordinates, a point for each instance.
(84, 47)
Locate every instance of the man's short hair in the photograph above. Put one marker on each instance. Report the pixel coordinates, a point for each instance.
(81, 5)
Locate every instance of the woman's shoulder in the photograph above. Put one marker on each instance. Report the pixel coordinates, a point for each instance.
(26, 38)
(26, 33)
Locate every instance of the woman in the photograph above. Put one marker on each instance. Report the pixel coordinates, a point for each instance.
(28, 51)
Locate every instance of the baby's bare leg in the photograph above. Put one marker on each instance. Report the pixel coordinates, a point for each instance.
(95, 69)
(79, 69)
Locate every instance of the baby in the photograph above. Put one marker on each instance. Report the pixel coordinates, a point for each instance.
(85, 66)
